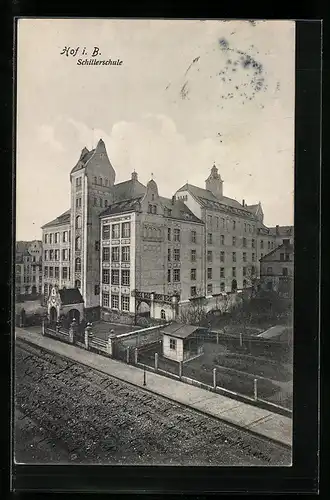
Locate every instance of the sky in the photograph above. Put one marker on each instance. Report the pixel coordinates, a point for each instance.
(187, 95)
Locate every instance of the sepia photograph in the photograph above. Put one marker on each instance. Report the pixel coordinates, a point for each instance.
(154, 242)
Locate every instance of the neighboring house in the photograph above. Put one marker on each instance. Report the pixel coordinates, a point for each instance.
(28, 267)
(283, 234)
(181, 342)
(277, 269)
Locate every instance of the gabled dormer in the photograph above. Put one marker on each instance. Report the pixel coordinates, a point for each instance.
(151, 202)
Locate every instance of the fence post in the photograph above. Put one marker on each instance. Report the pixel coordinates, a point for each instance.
(127, 355)
(110, 348)
(136, 352)
(214, 378)
(156, 361)
(180, 369)
(255, 387)
(88, 331)
(72, 331)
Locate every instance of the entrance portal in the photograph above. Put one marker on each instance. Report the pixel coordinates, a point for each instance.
(53, 315)
(74, 313)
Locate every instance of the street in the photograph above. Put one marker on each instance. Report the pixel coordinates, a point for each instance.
(66, 412)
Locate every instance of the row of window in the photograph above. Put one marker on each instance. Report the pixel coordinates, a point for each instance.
(284, 271)
(56, 237)
(193, 289)
(26, 279)
(115, 277)
(193, 272)
(98, 202)
(116, 230)
(55, 254)
(213, 221)
(222, 256)
(54, 272)
(115, 301)
(115, 254)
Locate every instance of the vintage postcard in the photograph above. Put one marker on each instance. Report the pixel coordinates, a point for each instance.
(154, 242)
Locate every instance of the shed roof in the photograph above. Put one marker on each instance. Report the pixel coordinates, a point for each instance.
(70, 296)
(180, 331)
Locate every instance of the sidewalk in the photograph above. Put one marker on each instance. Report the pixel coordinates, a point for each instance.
(260, 421)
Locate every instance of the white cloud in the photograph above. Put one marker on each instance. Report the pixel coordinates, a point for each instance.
(46, 135)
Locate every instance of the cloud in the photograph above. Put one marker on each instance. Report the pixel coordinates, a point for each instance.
(46, 135)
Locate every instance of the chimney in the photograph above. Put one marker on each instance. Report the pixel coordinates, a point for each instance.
(134, 176)
(173, 200)
(243, 203)
(277, 228)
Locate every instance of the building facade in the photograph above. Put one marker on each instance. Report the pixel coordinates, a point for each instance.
(130, 251)
(277, 270)
(28, 268)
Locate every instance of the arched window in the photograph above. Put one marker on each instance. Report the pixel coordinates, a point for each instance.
(78, 243)
(77, 284)
(162, 314)
(78, 265)
(78, 222)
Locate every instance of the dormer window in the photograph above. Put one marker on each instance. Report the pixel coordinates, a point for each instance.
(152, 197)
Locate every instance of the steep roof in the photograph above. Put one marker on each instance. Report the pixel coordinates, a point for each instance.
(83, 159)
(128, 190)
(208, 200)
(179, 210)
(285, 246)
(60, 220)
(70, 296)
(122, 206)
(282, 230)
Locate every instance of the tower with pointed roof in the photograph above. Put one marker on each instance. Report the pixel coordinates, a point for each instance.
(214, 183)
(92, 179)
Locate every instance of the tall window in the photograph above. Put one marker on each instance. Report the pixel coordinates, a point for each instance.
(126, 230)
(169, 276)
(149, 208)
(222, 256)
(209, 220)
(168, 234)
(106, 276)
(162, 314)
(78, 265)
(57, 254)
(234, 241)
(193, 255)
(193, 274)
(209, 273)
(209, 256)
(51, 254)
(64, 273)
(125, 254)
(234, 256)
(115, 231)
(244, 271)
(253, 257)
(115, 277)
(55, 237)
(78, 243)
(46, 255)
(46, 238)
(234, 272)
(169, 255)
(285, 271)
(176, 234)
(64, 254)
(193, 291)
(125, 277)
(78, 202)
(222, 286)
(50, 238)
(244, 256)
(105, 299)
(115, 254)
(125, 303)
(234, 224)
(244, 242)
(176, 275)
(261, 243)
(78, 222)
(106, 254)
(209, 238)
(106, 232)
(57, 273)
(173, 344)
(97, 246)
(253, 243)
(281, 256)
(46, 272)
(78, 182)
(115, 301)
(222, 239)
(193, 236)
(209, 288)
(65, 236)
(176, 254)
